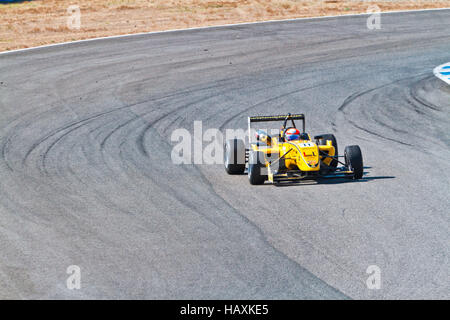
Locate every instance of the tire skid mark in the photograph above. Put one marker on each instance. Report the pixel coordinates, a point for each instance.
(141, 137)
(84, 121)
(343, 109)
(415, 96)
(77, 124)
(265, 101)
(15, 124)
(356, 95)
(378, 135)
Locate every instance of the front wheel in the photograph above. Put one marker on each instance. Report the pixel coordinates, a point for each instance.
(256, 165)
(354, 161)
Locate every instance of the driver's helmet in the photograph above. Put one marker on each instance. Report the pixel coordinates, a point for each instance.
(292, 134)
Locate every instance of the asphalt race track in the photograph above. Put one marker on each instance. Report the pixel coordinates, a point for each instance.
(86, 176)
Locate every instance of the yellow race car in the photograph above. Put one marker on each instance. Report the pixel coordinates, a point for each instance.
(290, 155)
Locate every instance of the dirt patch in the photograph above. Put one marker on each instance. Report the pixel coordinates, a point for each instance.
(35, 23)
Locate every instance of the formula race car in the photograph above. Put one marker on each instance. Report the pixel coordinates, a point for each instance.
(290, 155)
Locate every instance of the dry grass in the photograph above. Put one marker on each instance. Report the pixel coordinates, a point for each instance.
(41, 22)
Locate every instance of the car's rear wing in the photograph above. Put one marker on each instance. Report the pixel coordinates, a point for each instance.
(284, 118)
(277, 118)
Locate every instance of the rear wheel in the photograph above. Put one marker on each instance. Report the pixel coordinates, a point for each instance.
(234, 156)
(323, 142)
(256, 165)
(354, 161)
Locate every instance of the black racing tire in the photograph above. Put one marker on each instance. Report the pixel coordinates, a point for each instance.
(255, 166)
(234, 156)
(354, 161)
(323, 142)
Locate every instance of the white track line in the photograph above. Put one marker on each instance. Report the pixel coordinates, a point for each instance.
(218, 26)
(443, 72)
